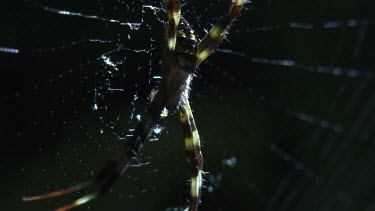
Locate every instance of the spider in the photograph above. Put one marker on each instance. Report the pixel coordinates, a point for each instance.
(181, 57)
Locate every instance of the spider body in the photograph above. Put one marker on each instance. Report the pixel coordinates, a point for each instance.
(182, 55)
(178, 65)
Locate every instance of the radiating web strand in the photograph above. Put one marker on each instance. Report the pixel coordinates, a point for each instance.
(9, 50)
(134, 25)
(329, 70)
(302, 116)
(334, 24)
(74, 43)
(53, 49)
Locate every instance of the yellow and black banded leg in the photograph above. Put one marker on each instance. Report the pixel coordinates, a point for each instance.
(193, 150)
(174, 15)
(217, 33)
(108, 175)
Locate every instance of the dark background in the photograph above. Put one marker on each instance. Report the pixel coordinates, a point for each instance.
(299, 133)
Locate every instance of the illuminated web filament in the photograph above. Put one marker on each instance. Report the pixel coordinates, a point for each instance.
(9, 50)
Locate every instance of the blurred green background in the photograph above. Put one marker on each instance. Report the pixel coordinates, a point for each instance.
(285, 109)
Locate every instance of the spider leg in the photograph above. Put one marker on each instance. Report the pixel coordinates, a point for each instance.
(108, 175)
(174, 15)
(217, 32)
(58, 193)
(165, 112)
(193, 150)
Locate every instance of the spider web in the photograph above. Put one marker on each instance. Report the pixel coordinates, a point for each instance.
(285, 106)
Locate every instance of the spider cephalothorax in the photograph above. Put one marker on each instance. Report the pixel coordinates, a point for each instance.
(181, 57)
(186, 47)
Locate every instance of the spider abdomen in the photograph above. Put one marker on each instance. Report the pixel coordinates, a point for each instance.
(178, 65)
(186, 47)
(173, 86)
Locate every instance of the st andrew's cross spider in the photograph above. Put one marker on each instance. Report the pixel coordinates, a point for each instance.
(182, 55)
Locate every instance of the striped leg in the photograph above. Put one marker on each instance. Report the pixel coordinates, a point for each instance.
(174, 14)
(217, 33)
(108, 175)
(193, 148)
